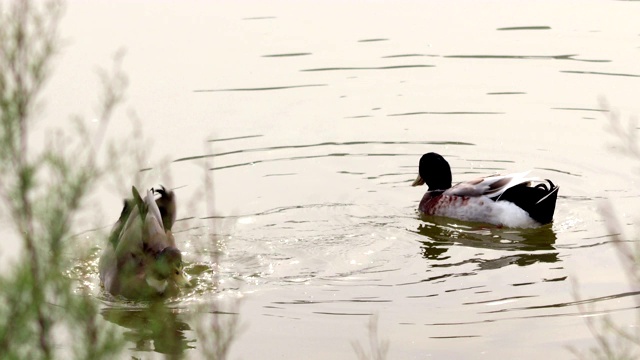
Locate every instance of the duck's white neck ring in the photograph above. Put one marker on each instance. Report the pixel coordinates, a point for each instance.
(159, 285)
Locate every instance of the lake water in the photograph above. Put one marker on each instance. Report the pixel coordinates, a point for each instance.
(312, 117)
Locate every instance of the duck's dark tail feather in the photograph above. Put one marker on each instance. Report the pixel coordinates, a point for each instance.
(114, 237)
(539, 201)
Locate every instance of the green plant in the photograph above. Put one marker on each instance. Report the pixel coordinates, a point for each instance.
(217, 332)
(378, 348)
(613, 341)
(42, 193)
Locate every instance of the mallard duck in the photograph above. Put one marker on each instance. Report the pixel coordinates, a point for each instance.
(510, 200)
(141, 259)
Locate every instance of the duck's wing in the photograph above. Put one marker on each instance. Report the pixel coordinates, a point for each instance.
(141, 227)
(492, 186)
(130, 239)
(143, 232)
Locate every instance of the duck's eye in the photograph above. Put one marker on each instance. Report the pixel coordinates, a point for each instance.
(177, 272)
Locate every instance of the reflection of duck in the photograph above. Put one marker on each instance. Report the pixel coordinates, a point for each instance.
(528, 244)
(141, 259)
(449, 231)
(508, 200)
(154, 328)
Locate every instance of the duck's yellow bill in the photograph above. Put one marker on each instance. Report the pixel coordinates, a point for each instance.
(182, 279)
(419, 181)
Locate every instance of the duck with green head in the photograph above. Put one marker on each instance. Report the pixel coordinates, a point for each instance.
(141, 260)
(513, 200)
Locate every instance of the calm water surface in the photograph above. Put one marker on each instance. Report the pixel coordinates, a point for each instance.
(312, 116)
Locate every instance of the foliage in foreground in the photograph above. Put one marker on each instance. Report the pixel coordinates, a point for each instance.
(43, 314)
(42, 193)
(612, 340)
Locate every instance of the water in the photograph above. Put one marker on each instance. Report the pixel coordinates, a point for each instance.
(312, 117)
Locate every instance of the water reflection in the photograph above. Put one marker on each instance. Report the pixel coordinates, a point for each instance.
(153, 328)
(442, 233)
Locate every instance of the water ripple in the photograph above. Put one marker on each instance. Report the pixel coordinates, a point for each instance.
(373, 40)
(598, 73)
(282, 209)
(507, 93)
(524, 28)
(580, 109)
(235, 138)
(392, 67)
(323, 144)
(407, 55)
(260, 18)
(447, 113)
(499, 301)
(570, 303)
(525, 57)
(286, 55)
(261, 88)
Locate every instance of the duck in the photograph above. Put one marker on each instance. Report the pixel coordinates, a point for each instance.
(140, 259)
(513, 200)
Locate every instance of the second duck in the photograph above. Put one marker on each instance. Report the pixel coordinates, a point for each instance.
(513, 200)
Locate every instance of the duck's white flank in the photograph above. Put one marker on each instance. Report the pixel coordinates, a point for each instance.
(483, 209)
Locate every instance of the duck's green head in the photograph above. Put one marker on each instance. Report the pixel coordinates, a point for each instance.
(435, 171)
(168, 266)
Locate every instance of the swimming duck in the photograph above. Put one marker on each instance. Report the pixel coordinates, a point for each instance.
(510, 200)
(140, 259)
